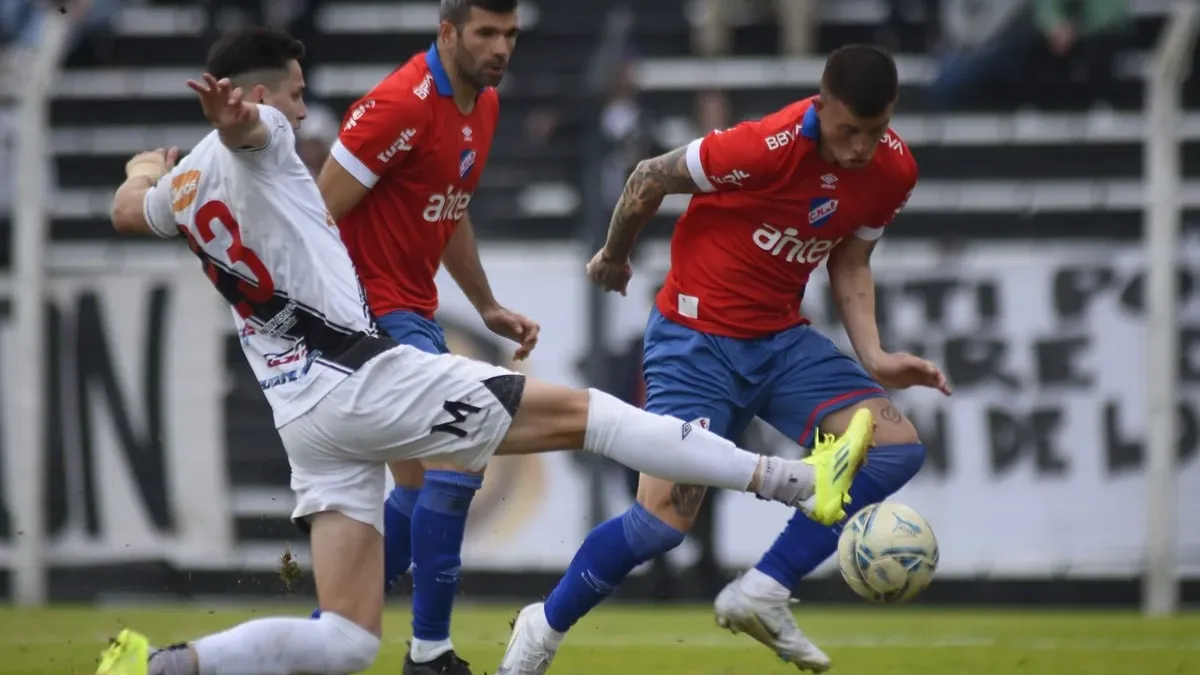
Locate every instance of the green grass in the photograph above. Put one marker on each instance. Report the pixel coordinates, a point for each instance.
(684, 641)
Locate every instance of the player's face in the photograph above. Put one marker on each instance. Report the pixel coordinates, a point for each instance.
(288, 96)
(850, 139)
(484, 45)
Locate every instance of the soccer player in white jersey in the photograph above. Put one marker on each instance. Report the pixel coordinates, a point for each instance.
(347, 399)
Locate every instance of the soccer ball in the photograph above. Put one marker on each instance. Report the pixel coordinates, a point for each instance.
(887, 553)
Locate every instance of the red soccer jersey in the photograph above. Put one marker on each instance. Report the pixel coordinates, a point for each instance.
(421, 157)
(770, 212)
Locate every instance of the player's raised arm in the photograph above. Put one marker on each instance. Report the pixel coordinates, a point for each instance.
(236, 119)
(734, 159)
(252, 92)
(142, 204)
(651, 181)
(378, 134)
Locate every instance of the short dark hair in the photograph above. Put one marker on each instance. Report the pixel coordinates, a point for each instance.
(252, 49)
(457, 11)
(863, 77)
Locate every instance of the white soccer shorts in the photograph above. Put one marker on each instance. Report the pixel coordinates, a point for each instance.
(403, 404)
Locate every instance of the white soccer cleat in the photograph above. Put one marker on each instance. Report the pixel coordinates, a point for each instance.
(769, 621)
(532, 646)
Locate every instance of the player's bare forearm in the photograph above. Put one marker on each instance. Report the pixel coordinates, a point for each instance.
(126, 212)
(651, 181)
(461, 259)
(340, 190)
(853, 288)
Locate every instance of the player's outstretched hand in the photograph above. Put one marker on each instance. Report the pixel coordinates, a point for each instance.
(223, 104)
(153, 164)
(516, 327)
(901, 371)
(609, 273)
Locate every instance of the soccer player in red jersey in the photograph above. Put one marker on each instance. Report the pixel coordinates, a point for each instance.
(399, 182)
(773, 198)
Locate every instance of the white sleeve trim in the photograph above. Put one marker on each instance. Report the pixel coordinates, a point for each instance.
(148, 214)
(353, 165)
(869, 233)
(696, 167)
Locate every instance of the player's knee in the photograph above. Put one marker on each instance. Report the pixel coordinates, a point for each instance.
(349, 648)
(676, 505)
(895, 465)
(408, 474)
(892, 427)
(550, 417)
(449, 467)
(648, 535)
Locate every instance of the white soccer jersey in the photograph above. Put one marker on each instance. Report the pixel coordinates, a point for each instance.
(257, 222)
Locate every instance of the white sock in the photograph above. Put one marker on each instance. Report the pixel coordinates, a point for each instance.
(330, 645)
(664, 446)
(758, 585)
(424, 651)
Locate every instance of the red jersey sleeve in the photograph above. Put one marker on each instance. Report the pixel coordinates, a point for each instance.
(735, 159)
(379, 131)
(892, 200)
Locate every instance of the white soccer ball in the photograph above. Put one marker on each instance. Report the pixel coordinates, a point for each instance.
(887, 553)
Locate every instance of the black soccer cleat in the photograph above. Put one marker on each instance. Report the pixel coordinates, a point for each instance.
(446, 664)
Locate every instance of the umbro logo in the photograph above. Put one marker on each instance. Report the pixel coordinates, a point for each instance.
(687, 429)
(829, 181)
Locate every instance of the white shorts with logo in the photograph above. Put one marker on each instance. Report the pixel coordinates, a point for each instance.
(403, 404)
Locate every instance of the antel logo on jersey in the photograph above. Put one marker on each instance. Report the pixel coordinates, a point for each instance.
(734, 177)
(402, 144)
(785, 244)
(184, 189)
(448, 206)
(466, 160)
(821, 209)
(356, 114)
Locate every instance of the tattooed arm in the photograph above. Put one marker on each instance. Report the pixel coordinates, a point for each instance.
(853, 288)
(651, 181)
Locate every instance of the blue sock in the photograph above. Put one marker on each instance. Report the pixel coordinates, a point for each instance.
(607, 556)
(438, 525)
(397, 534)
(804, 544)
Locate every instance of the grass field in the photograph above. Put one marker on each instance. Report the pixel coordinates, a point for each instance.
(684, 641)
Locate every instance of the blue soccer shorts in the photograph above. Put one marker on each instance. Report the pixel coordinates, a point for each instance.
(791, 379)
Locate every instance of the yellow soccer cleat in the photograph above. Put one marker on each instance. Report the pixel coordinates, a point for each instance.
(836, 461)
(128, 654)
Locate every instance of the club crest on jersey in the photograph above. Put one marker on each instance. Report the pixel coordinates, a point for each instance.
(466, 160)
(820, 210)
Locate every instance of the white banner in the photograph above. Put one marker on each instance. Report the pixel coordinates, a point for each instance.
(136, 468)
(1034, 465)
